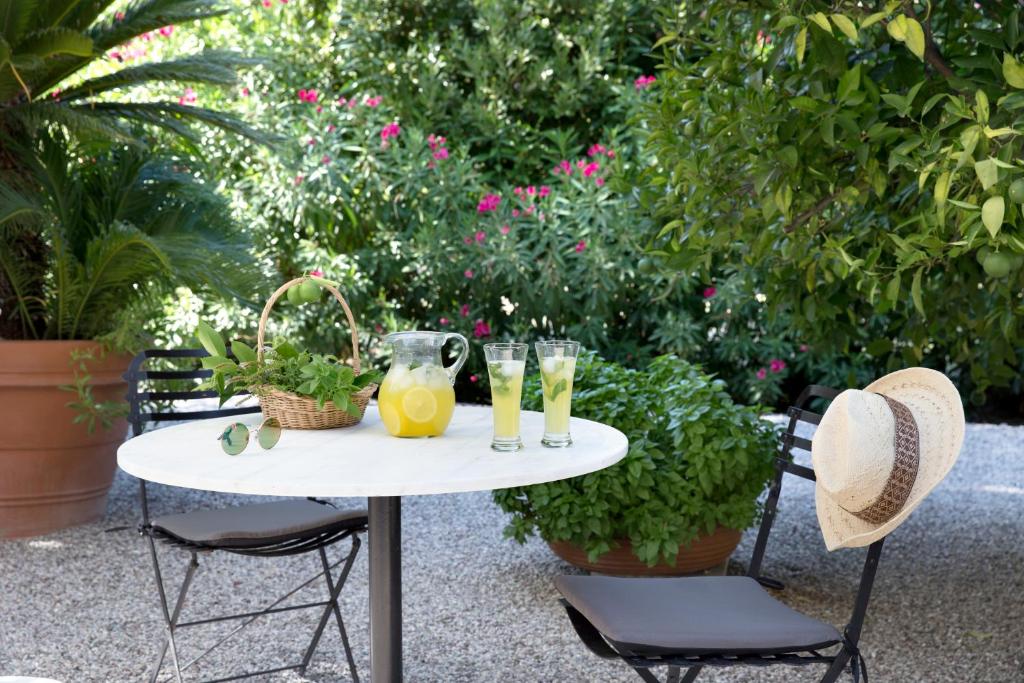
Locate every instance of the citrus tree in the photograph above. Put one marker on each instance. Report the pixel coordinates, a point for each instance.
(857, 167)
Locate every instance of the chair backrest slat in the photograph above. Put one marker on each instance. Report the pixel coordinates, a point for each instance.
(150, 403)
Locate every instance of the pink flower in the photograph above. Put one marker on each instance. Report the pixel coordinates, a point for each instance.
(392, 130)
(267, 3)
(325, 160)
(319, 109)
(480, 236)
(115, 54)
(643, 82)
(580, 246)
(188, 98)
(298, 179)
(341, 101)
(490, 202)
(308, 95)
(378, 328)
(441, 153)
(311, 142)
(544, 191)
(468, 273)
(444, 322)
(709, 292)
(580, 163)
(352, 103)
(556, 170)
(119, 16)
(599, 181)
(473, 378)
(531, 190)
(467, 240)
(565, 166)
(530, 209)
(481, 329)
(610, 154)
(762, 373)
(515, 213)
(777, 365)
(505, 229)
(146, 37)
(431, 164)
(331, 128)
(245, 92)
(517, 191)
(167, 30)
(595, 149)
(464, 310)
(316, 273)
(804, 348)
(56, 94)
(372, 102)
(591, 168)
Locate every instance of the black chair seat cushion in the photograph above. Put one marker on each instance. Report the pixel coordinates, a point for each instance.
(688, 616)
(259, 523)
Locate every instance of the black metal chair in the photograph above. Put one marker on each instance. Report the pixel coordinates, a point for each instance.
(272, 529)
(693, 622)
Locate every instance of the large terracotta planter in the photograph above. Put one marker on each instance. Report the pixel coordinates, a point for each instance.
(705, 552)
(53, 472)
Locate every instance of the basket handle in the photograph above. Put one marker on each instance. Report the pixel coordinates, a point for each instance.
(261, 330)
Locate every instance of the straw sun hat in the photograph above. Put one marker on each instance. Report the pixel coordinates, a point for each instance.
(878, 452)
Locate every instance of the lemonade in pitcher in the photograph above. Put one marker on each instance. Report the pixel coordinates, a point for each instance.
(416, 397)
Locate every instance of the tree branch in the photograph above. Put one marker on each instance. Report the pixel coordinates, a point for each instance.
(931, 51)
(807, 215)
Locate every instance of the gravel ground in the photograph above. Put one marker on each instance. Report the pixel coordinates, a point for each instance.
(79, 605)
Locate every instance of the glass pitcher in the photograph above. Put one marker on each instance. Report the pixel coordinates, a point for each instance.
(416, 397)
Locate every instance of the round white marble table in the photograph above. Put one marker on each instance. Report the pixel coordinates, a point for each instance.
(365, 461)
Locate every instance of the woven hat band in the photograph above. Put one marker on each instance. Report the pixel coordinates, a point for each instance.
(907, 446)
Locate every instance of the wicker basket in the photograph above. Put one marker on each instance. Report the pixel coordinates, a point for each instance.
(301, 412)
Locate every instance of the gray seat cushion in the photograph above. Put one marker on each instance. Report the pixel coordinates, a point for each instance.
(728, 615)
(259, 523)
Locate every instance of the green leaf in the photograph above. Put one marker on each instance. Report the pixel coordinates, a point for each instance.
(242, 352)
(846, 26)
(5, 51)
(210, 340)
(988, 173)
(915, 38)
(1013, 72)
(849, 83)
(56, 41)
(821, 20)
(786, 21)
(873, 19)
(801, 45)
(981, 106)
(915, 291)
(992, 212)
(942, 188)
(897, 28)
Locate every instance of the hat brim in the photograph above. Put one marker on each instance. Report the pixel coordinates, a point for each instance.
(937, 408)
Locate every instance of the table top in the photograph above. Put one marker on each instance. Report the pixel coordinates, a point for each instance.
(364, 460)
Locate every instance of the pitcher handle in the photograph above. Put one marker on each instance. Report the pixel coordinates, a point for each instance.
(454, 368)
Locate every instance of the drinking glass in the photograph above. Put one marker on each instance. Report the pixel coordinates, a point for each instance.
(557, 366)
(505, 366)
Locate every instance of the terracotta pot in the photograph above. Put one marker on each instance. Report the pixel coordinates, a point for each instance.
(705, 552)
(55, 473)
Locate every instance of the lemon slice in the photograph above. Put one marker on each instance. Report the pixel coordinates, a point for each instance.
(419, 405)
(390, 417)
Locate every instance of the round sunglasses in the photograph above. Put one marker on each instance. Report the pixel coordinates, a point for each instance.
(235, 436)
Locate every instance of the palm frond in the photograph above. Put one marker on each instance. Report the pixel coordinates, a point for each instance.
(14, 18)
(176, 117)
(81, 124)
(216, 68)
(74, 14)
(16, 207)
(150, 15)
(56, 40)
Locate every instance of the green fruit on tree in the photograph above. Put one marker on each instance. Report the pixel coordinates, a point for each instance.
(294, 296)
(309, 291)
(690, 129)
(1017, 191)
(646, 266)
(982, 255)
(997, 265)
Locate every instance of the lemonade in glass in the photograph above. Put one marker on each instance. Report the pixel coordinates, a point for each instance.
(557, 368)
(416, 397)
(506, 364)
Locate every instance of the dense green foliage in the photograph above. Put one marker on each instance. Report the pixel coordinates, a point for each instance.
(858, 166)
(696, 461)
(105, 237)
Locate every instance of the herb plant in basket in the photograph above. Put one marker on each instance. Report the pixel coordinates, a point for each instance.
(302, 390)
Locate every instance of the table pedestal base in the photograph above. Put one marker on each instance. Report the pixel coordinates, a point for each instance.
(385, 540)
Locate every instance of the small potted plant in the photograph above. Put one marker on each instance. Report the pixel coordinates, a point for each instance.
(302, 390)
(678, 502)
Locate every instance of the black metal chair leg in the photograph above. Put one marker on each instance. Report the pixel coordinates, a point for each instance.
(646, 675)
(171, 617)
(837, 668)
(691, 674)
(673, 675)
(334, 590)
